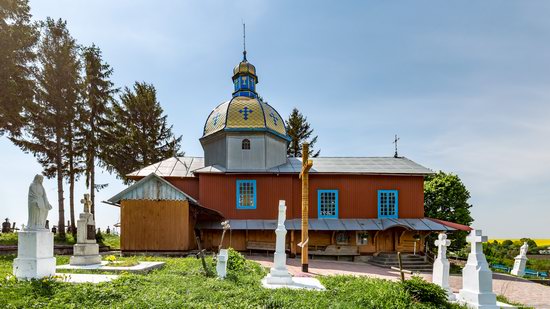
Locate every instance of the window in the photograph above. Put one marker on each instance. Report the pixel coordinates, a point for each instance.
(246, 194)
(362, 238)
(327, 203)
(387, 204)
(246, 144)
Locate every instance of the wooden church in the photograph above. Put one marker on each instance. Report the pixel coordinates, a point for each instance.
(357, 206)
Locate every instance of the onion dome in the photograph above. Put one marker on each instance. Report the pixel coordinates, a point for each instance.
(242, 114)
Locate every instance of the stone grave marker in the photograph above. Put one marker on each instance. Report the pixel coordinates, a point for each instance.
(520, 261)
(441, 265)
(86, 250)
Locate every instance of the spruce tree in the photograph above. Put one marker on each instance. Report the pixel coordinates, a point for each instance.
(98, 94)
(300, 131)
(138, 134)
(18, 37)
(49, 119)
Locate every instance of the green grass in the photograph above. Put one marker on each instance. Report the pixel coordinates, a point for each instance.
(181, 283)
(112, 241)
(503, 299)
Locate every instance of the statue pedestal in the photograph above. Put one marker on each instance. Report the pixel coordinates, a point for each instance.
(519, 266)
(86, 250)
(34, 255)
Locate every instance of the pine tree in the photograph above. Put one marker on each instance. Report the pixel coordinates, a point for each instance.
(98, 97)
(18, 37)
(138, 134)
(49, 119)
(300, 131)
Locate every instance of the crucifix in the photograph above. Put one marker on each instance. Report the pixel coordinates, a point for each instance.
(87, 203)
(304, 175)
(395, 142)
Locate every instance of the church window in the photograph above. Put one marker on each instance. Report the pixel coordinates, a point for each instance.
(246, 194)
(362, 238)
(387, 204)
(327, 203)
(246, 144)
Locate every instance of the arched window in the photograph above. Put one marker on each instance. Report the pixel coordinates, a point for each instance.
(246, 144)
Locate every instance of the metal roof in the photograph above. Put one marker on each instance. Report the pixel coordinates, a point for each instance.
(187, 166)
(152, 187)
(417, 224)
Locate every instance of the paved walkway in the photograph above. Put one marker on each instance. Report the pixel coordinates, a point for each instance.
(515, 289)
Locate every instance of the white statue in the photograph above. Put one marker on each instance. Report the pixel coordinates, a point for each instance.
(38, 205)
(523, 249)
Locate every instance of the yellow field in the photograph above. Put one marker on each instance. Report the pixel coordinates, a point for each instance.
(540, 242)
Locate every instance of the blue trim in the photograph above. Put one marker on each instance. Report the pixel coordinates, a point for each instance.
(319, 215)
(253, 182)
(396, 214)
(285, 137)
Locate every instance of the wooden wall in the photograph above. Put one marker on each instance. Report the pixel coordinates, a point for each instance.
(357, 194)
(189, 185)
(148, 225)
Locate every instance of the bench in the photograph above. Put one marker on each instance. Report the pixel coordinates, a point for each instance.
(262, 246)
(336, 250)
(534, 273)
(501, 267)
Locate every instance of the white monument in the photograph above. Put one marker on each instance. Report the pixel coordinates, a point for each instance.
(279, 277)
(520, 261)
(35, 243)
(221, 264)
(441, 268)
(86, 250)
(477, 278)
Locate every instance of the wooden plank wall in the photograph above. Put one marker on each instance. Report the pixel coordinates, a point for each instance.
(358, 194)
(148, 225)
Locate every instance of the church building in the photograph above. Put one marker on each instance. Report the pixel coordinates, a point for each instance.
(357, 205)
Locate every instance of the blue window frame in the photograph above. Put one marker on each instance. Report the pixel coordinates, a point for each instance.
(327, 204)
(388, 203)
(246, 194)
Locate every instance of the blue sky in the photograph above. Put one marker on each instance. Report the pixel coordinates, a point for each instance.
(465, 84)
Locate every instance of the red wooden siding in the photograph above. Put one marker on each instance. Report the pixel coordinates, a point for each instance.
(189, 185)
(357, 194)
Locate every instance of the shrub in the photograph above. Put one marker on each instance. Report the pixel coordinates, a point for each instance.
(426, 292)
(236, 261)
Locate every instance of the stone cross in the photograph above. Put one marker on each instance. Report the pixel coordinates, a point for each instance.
(477, 278)
(442, 243)
(441, 265)
(87, 203)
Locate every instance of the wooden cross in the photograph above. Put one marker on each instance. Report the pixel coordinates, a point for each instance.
(87, 203)
(304, 175)
(400, 268)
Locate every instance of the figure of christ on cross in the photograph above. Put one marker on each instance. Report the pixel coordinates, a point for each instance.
(304, 175)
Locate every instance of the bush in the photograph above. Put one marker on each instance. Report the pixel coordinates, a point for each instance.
(236, 261)
(426, 292)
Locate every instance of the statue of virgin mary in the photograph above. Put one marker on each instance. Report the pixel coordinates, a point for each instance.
(38, 205)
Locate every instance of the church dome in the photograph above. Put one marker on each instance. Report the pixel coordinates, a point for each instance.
(243, 68)
(242, 114)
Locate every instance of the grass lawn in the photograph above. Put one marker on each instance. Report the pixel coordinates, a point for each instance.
(181, 283)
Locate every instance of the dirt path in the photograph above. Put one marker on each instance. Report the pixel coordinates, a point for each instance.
(515, 289)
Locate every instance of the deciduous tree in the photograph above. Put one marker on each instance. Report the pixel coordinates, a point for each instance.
(300, 131)
(446, 198)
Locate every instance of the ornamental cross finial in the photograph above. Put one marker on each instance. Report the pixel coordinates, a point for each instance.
(442, 243)
(87, 203)
(244, 41)
(395, 142)
(245, 111)
(275, 118)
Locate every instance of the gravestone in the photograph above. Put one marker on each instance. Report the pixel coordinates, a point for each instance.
(477, 278)
(6, 226)
(35, 258)
(221, 264)
(520, 261)
(279, 273)
(86, 250)
(441, 265)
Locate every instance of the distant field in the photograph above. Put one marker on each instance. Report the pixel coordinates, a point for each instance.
(540, 242)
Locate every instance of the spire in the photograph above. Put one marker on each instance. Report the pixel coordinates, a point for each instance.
(244, 41)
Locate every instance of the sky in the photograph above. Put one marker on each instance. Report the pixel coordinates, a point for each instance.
(465, 85)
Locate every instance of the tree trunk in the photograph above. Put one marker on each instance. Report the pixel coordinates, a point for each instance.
(71, 183)
(92, 185)
(59, 168)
